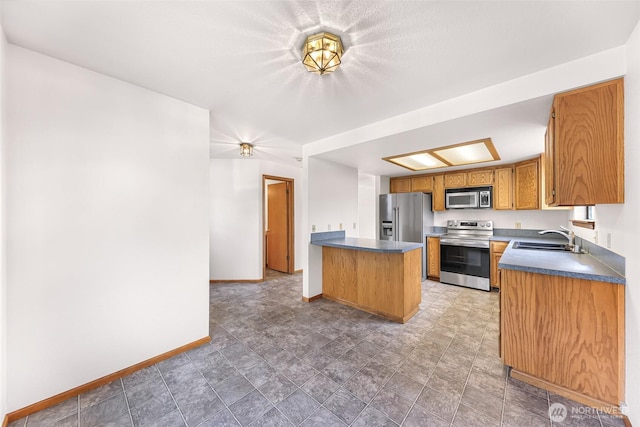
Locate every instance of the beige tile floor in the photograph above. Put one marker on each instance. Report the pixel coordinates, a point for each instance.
(274, 360)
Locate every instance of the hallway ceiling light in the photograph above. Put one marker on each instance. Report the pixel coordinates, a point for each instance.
(322, 52)
(246, 149)
(465, 153)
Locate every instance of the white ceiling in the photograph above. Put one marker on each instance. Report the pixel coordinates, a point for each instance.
(241, 61)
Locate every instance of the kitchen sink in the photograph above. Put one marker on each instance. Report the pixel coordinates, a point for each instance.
(539, 246)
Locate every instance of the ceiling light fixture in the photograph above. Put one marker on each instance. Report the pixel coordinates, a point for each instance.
(479, 151)
(322, 52)
(246, 149)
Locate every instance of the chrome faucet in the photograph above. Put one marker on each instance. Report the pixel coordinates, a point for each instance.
(570, 235)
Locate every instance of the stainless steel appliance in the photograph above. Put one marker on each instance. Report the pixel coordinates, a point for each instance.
(405, 217)
(468, 198)
(464, 254)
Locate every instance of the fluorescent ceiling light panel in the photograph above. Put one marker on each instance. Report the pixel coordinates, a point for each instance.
(418, 161)
(465, 153)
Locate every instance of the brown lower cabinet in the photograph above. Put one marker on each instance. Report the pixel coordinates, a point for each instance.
(433, 258)
(564, 334)
(495, 253)
(387, 284)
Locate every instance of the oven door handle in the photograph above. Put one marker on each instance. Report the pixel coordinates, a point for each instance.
(465, 243)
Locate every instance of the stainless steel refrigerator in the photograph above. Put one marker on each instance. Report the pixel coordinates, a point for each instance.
(406, 217)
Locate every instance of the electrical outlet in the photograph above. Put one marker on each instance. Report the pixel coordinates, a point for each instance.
(608, 240)
(313, 228)
(518, 225)
(340, 226)
(354, 225)
(595, 236)
(328, 227)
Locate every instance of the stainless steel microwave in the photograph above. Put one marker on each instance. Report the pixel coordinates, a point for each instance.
(468, 198)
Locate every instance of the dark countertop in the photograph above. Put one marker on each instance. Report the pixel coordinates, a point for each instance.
(557, 263)
(371, 245)
(435, 234)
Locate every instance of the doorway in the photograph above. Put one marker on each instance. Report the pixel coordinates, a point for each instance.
(278, 222)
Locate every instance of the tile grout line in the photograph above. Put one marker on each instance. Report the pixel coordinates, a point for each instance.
(171, 394)
(484, 332)
(126, 399)
(256, 388)
(242, 397)
(425, 384)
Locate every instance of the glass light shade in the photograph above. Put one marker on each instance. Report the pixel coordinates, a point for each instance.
(322, 53)
(246, 149)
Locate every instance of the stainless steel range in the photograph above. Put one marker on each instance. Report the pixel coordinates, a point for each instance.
(464, 254)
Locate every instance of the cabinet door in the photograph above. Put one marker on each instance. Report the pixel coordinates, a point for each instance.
(503, 189)
(497, 249)
(477, 178)
(455, 180)
(565, 331)
(433, 257)
(422, 183)
(400, 185)
(527, 185)
(339, 273)
(437, 196)
(589, 147)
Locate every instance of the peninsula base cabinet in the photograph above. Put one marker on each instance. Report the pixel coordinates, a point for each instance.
(386, 284)
(565, 335)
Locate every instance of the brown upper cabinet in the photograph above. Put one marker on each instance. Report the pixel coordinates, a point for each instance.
(472, 178)
(455, 180)
(437, 196)
(480, 177)
(584, 146)
(514, 186)
(400, 185)
(527, 184)
(503, 189)
(422, 183)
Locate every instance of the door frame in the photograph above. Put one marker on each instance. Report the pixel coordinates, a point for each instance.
(290, 222)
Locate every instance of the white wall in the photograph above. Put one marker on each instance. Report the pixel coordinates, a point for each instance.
(234, 226)
(3, 240)
(535, 220)
(106, 225)
(612, 217)
(236, 229)
(333, 197)
(368, 191)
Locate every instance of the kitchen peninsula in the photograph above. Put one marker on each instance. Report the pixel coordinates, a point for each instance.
(378, 276)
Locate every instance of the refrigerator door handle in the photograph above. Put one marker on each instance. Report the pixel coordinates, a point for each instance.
(396, 221)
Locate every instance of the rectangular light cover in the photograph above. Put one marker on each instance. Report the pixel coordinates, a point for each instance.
(465, 154)
(478, 151)
(420, 161)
